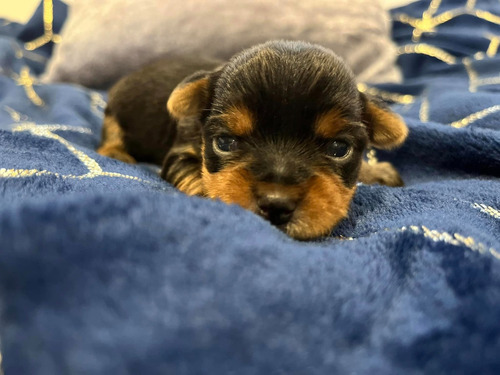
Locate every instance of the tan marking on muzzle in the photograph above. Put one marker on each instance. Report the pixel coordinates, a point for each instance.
(323, 200)
(325, 204)
(230, 185)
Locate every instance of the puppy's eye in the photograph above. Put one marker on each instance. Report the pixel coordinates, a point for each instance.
(225, 143)
(338, 149)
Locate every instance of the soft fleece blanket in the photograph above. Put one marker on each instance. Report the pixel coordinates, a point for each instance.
(105, 269)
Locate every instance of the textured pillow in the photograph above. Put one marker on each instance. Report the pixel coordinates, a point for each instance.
(103, 40)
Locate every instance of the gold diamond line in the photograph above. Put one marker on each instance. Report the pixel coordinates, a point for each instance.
(454, 239)
(94, 169)
(26, 81)
(487, 210)
(475, 117)
(428, 50)
(48, 31)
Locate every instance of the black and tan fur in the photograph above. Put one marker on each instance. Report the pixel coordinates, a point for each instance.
(285, 105)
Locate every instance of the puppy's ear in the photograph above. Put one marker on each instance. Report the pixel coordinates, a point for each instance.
(190, 96)
(386, 129)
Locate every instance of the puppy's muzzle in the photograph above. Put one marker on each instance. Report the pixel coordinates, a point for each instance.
(278, 191)
(277, 202)
(277, 207)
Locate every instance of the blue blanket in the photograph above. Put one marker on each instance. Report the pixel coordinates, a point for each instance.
(106, 269)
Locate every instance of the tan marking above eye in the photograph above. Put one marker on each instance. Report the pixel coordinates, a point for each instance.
(239, 119)
(330, 123)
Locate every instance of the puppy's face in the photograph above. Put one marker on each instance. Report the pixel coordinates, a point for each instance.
(283, 133)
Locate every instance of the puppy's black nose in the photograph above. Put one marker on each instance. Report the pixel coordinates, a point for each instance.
(277, 209)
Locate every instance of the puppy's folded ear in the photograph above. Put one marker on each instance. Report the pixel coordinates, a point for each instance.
(386, 129)
(190, 96)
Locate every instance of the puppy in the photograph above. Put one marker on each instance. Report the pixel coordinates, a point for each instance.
(280, 130)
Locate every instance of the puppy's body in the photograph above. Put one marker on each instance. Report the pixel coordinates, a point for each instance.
(280, 129)
(136, 115)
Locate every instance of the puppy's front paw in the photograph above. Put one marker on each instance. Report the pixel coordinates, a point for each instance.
(380, 173)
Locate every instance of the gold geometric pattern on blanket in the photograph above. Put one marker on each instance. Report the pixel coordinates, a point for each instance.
(35, 129)
(423, 114)
(473, 75)
(462, 123)
(488, 81)
(48, 31)
(46, 131)
(428, 23)
(475, 116)
(456, 239)
(386, 95)
(487, 210)
(429, 20)
(494, 44)
(474, 80)
(22, 53)
(428, 50)
(15, 115)
(97, 104)
(25, 80)
(487, 16)
(471, 4)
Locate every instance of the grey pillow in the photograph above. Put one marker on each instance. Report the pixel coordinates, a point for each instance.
(104, 40)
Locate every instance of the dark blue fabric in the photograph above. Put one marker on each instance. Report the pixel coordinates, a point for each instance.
(105, 269)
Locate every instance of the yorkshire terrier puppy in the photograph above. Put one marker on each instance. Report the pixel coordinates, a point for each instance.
(280, 129)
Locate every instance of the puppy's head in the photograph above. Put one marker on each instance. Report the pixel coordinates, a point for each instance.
(283, 132)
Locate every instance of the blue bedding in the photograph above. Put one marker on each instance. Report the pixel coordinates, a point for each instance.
(106, 269)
